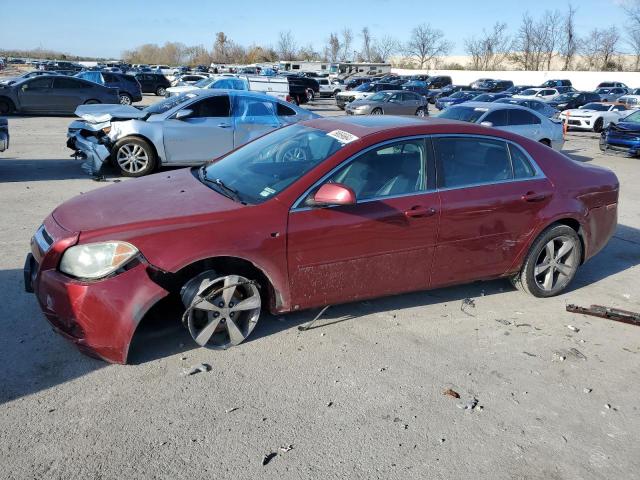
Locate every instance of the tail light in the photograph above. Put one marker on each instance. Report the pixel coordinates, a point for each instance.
(288, 98)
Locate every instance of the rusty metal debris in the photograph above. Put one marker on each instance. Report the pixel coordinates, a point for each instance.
(203, 367)
(467, 303)
(304, 328)
(451, 393)
(610, 313)
(286, 448)
(268, 457)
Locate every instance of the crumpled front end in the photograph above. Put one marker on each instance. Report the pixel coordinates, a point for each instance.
(90, 142)
(618, 137)
(98, 316)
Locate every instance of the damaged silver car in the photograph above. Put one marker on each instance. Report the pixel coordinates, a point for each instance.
(188, 129)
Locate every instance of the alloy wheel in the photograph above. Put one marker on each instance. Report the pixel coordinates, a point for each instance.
(225, 319)
(556, 264)
(125, 100)
(421, 112)
(294, 154)
(132, 158)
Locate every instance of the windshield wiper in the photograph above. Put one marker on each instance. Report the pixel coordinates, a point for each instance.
(223, 189)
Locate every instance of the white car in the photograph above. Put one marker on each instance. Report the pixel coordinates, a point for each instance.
(594, 116)
(544, 94)
(218, 81)
(632, 102)
(329, 87)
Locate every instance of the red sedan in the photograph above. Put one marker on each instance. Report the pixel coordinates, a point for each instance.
(318, 213)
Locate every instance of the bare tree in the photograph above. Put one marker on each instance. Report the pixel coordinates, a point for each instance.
(568, 38)
(552, 22)
(347, 39)
(385, 47)
(600, 47)
(536, 42)
(426, 44)
(633, 39)
(490, 50)
(333, 48)
(308, 53)
(221, 46)
(286, 46)
(366, 44)
(632, 9)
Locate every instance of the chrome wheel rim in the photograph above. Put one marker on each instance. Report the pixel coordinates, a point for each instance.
(161, 92)
(125, 100)
(295, 154)
(377, 111)
(556, 263)
(420, 112)
(132, 158)
(226, 319)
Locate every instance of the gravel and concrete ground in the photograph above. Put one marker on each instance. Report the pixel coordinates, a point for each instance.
(359, 397)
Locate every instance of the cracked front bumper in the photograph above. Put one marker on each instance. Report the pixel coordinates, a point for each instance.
(96, 154)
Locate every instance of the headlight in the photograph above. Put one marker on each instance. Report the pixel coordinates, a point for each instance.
(96, 260)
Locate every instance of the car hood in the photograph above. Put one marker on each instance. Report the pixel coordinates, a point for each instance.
(106, 113)
(151, 202)
(626, 126)
(580, 112)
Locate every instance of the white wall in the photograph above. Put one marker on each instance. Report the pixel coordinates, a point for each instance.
(580, 80)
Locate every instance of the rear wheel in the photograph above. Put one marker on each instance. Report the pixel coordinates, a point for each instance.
(6, 106)
(546, 142)
(551, 263)
(597, 127)
(421, 112)
(91, 102)
(134, 157)
(310, 95)
(160, 91)
(376, 111)
(222, 311)
(125, 99)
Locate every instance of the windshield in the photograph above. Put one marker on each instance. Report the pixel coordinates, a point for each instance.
(168, 103)
(263, 168)
(633, 118)
(485, 97)
(416, 83)
(362, 88)
(603, 90)
(465, 114)
(596, 106)
(380, 97)
(204, 82)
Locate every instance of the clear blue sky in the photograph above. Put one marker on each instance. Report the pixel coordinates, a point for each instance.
(106, 28)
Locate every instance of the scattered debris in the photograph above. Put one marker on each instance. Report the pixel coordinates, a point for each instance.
(232, 409)
(330, 404)
(467, 303)
(203, 367)
(577, 353)
(609, 313)
(523, 325)
(558, 357)
(183, 358)
(322, 334)
(607, 406)
(626, 295)
(470, 405)
(451, 393)
(382, 369)
(268, 457)
(442, 440)
(573, 329)
(286, 448)
(306, 327)
(503, 322)
(587, 390)
(530, 354)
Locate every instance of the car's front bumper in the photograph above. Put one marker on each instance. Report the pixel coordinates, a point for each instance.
(577, 122)
(100, 316)
(95, 153)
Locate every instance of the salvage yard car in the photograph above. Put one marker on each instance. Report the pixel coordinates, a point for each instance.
(322, 212)
(390, 103)
(53, 94)
(513, 118)
(594, 116)
(129, 90)
(187, 129)
(623, 135)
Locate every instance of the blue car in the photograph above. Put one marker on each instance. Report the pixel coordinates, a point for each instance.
(455, 99)
(129, 90)
(623, 136)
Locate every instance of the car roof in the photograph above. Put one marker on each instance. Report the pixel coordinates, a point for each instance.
(489, 106)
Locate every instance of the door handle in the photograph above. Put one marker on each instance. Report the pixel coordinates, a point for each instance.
(534, 197)
(224, 125)
(419, 211)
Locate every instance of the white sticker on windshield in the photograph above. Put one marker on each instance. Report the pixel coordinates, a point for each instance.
(342, 136)
(267, 191)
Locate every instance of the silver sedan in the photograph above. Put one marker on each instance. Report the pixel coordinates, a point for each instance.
(390, 102)
(187, 129)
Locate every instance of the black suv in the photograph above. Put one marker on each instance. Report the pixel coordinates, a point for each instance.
(570, 100)
(495, 86)
(556, 83)
(153, 83)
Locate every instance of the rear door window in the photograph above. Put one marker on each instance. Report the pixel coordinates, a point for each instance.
(498, 118)
(38, 84)
(466, 161)
(68, 83)
(213, 107)
(522, 117)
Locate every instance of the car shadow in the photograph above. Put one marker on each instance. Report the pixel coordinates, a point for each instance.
(24, 170)
(33, 357)
(578, 158)
(162, 333)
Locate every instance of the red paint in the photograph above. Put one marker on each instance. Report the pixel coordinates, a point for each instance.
(314, 256)
(334, 194)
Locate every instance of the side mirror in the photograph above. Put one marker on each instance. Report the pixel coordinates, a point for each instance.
(334, 194)
(183, 114)
(486, 124)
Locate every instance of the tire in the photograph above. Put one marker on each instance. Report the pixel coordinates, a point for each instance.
(599, 125)
(134, 157)
(377, 111)
(292, 152)
(421, 112)
(540, 277)
(6, 106)
(221, 310)
(161, 91)
(310, 95)
(92, 102)
(125, 99)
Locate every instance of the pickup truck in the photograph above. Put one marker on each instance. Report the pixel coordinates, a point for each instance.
(4, 134)
(329, 88)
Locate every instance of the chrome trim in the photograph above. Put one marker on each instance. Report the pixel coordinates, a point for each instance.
(296, 205)
(41, 241)
(539, 173)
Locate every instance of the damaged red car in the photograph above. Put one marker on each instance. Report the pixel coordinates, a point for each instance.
(322, 212)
